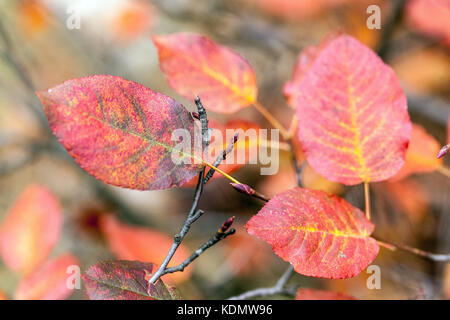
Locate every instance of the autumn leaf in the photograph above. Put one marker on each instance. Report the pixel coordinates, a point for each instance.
(31, 229)
(421, 154)
(430, 17)
(321, 235)
(195, 65)
(3, 296)
(125, 280)
(49, 282)
(353, 121)
(120, 131)
(142, 244)
(313, 294)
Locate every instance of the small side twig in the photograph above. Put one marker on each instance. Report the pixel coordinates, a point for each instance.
(278, 288)
(438, 257)
(221, 234)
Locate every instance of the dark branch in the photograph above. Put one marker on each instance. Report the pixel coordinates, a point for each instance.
(278, 288)
(208, 244)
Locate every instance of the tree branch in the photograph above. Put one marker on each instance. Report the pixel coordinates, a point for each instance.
(438, 257)
(278, 288)
(194, 214)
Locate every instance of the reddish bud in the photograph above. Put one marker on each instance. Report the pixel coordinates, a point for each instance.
(444, 150)
(243, 188)
(195, 115)
(227, 224)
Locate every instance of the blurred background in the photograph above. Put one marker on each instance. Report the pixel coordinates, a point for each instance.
(41, 46)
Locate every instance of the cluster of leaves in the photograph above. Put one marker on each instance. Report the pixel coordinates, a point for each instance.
(352, 127)
(28, 236)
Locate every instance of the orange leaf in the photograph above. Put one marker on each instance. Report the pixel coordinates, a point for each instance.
(120, 131)
(353, 119)
(31, 229)
(421, 154)
(313, 294)
(3, 296)
(196, 65)
(142, 244)
(321, 235)
(50, 282)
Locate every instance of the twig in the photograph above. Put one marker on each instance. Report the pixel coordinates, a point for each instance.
(208, 244)
(246, 189)
(220, 158)
(278, 288)
(367, 199)
(438, 257)
(272, 120)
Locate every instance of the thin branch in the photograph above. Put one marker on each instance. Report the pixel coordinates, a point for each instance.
(272, 120)
(220, 158)
(208, 244)
(246, 189)
(193, 214)
(367, 199)
(278, 288)
(438, 257)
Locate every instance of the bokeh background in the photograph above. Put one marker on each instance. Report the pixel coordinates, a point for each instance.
(38, 51)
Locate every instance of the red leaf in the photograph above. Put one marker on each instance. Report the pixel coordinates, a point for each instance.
(31, 229)
(421, 154)
(124, 280)
(321, 235)
(312, 294)
(142, 244)
(120, 131)
(50, 282)
(353, 119)
(430, 17)
(195, 65)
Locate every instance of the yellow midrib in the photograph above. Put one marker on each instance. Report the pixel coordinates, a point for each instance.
(363, 172)
(335, 232)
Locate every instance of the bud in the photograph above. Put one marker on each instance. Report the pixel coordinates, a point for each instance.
(243, 188)
(195, 115)
(444, 150)
(226, 225)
